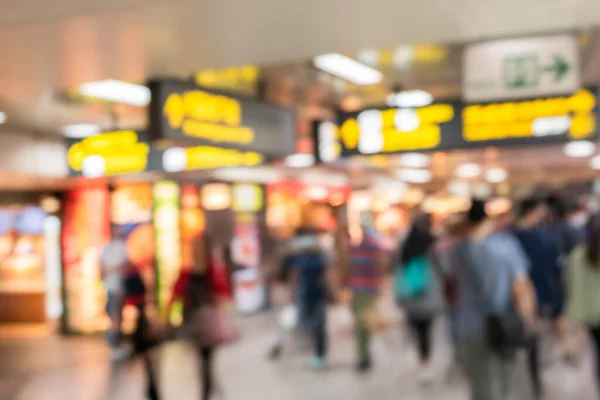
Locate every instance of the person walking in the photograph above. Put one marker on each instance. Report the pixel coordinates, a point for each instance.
(309, 275)
(196, 287)
(114, 262)
(418, 290)
(367, 263)
(542, 251)
(583, 279)
(493, 286)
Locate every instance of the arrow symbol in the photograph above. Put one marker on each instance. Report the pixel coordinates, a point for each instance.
(559, 67)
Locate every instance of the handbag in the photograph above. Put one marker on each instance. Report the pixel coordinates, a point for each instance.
(209, 327)
(504, 332)
(413, 279)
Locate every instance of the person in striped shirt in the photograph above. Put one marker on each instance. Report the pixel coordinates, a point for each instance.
(367, 263)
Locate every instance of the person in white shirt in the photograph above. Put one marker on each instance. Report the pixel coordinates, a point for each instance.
(114, 260)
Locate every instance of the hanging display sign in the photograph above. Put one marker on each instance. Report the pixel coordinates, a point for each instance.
(110, 153)
(177, 159)
(521, 68)
(393, 130)
(454, 125)
(183, 113)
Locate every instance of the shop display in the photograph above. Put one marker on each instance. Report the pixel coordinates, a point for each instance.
(22, 249)
(85, 233)
(168, 240)
(193, 222)
(131, 214)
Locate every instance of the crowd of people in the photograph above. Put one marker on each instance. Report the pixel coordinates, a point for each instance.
(496, 280)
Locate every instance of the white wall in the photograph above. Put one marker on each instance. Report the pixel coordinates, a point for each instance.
(24, 153)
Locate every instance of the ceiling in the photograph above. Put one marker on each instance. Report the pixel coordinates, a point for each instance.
(52, 46)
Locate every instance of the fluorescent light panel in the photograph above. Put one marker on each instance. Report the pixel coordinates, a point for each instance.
(348, 69)
(579, 149)
(117, 91)
(410, 99)
(80, 131)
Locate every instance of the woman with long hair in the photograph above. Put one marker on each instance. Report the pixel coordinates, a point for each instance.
(583, 277)
(417, 289)
(200, 288)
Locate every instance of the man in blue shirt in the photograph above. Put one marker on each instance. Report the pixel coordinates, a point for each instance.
(543, 253)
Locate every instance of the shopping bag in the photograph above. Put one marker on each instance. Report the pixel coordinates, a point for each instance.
(288, 317)
(341, 320)
(209, 327)
(377, 317)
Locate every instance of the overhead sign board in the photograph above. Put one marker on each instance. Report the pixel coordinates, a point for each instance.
(107, 154)
(395, 130)
(455, 125)
(521, 68)
(183, 113)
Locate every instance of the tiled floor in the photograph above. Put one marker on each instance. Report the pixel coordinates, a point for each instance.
(54, 368)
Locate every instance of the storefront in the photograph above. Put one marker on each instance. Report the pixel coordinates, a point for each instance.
(30, 276)
(154, 190)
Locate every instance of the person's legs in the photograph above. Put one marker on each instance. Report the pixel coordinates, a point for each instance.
(534, 367)
(152, 389)
(506, 365)
(422, 329)
(360, 305)
(477, 360)
(206, 358)
(319, 330)
(595, 334)
(114, 310)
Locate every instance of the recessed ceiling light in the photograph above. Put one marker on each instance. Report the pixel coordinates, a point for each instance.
(410, 99)
(496, 175)
(468, 170)
(595, 162)
(579, 149)
(80, 131)
(415, 175)
(348, 69)
(117, 91)
(414, 160)
(300, 160)
(2, 117)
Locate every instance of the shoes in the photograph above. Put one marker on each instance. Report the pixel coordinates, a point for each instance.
(319, 363)
(364, 366)
(275, 353)
(426, 375)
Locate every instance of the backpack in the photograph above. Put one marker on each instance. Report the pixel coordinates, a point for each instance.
(413, 279)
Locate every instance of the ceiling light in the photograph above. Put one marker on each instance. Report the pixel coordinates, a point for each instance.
(117, 91)
(2, 117)
(459, 188)
(496, 175)
(348, 69)
(414, 160)
(580, 148)
(80, 131)
(254, 175)
(468, 170)
(300, 160)
(415, 175)
(595, 162)
(410, 99)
